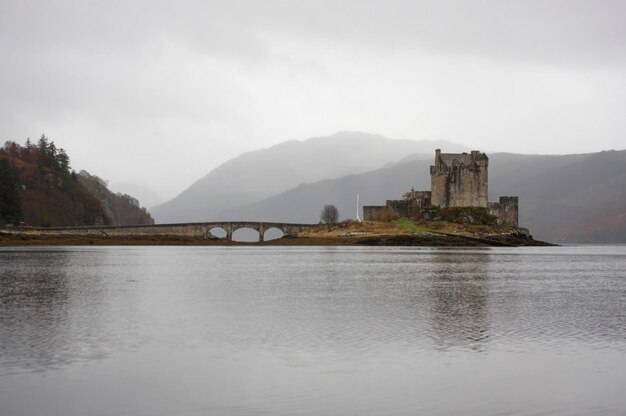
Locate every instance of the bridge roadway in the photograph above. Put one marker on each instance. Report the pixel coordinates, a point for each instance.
(192, 229)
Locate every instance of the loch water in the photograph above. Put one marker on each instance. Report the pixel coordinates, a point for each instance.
(312, 331)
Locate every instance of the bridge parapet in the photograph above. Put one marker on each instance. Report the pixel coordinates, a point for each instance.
(288, 229)
(198, 229)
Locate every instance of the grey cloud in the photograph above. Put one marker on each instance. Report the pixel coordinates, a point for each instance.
(574, 32)
(223, 77)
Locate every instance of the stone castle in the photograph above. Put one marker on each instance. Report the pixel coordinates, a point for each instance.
(457, 180)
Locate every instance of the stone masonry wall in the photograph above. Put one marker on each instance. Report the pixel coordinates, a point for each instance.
(402, 207)
(459, 180)
(507, 210)
(372, 212)
(188, 229)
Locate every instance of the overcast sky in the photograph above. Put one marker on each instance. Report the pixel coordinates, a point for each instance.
(160, 92)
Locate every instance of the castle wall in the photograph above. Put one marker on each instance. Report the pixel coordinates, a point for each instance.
(402, 207)
(459, 180)
(439, 188)
(507, 210)
(422, 197)
(409, 206)
(373, 212)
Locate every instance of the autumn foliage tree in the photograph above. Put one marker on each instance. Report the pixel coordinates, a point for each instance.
(38, 186)
(44, 154)
(50, 193)
(52, 157)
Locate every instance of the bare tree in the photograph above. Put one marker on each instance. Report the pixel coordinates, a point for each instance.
(329, 215)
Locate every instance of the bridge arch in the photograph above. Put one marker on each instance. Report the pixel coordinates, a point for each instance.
(246, 233)
(273, 232)
(216, 231)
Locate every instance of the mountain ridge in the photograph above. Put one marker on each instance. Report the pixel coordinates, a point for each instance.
(553, 212)
(254, 175)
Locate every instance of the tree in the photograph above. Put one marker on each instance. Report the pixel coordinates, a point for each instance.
(329, 215)
(50, 156)
(63, 161)
(10, 198)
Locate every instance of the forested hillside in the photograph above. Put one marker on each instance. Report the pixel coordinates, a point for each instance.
(38, 187)
(121, 209)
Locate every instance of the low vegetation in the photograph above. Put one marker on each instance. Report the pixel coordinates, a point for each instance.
(464, 222)
(468, 215)
(406, 224)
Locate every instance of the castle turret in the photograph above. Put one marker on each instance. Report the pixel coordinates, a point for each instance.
(506, 209)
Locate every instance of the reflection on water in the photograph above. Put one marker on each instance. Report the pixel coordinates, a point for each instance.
(34, 308)
(459, 299)
(57, 307)
(312, 331)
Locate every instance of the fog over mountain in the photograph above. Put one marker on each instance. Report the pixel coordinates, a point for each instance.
(145, 195)
(256, 175)
(576, 197)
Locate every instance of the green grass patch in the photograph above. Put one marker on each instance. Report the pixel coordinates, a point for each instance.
(405, 223)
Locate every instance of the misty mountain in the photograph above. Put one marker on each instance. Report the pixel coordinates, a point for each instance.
(304, 203)
(256, 175)
(569, 198)
(578, 198)
(145, 195)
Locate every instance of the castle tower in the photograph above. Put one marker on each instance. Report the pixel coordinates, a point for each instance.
(459, 179)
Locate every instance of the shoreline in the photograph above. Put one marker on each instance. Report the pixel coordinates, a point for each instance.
(419, 239)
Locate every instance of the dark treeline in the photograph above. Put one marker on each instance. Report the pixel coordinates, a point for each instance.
(43, 154)
(10, 196)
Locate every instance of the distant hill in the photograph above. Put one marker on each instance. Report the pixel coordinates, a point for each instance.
(304, 203)
(576, 198)
(256, 175)
(41, 190)
(569, 198)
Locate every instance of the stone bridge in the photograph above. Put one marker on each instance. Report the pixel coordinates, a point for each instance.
(194, 229)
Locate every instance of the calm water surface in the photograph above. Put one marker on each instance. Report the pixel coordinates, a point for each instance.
(312, 331)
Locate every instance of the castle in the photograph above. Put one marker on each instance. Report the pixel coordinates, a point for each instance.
(457, 180)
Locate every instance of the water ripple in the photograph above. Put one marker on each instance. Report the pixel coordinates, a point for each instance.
(322, 330)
